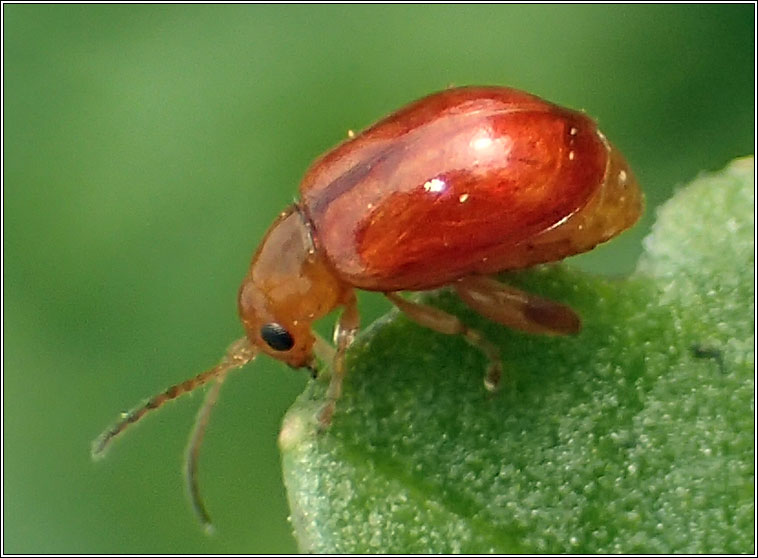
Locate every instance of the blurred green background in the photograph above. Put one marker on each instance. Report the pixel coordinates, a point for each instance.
(148, 147)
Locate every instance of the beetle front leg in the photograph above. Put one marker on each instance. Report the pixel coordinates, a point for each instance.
(344, 335)
(443, 322)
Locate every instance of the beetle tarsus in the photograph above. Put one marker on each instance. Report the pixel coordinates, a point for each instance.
(325, 414)
(493, 377)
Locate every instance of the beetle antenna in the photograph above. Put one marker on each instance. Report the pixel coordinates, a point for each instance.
(239, 353)
(193, 452)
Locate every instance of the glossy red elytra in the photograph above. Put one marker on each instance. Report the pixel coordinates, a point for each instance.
(449, 189)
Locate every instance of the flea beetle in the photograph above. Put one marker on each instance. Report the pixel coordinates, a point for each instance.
(446, 191)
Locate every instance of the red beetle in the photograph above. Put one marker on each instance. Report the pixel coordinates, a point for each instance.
(456, 186)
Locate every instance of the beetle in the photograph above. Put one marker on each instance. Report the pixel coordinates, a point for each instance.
(447, 191)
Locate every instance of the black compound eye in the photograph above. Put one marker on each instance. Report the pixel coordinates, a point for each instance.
(277, 337)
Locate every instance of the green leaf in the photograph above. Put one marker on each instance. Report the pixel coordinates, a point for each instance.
(634, 436)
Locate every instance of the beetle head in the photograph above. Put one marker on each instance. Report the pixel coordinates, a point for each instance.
(289, 285)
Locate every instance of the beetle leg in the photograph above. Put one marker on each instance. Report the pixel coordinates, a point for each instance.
(515, 308)
(344, 335)
(324, 351)
(443, 322)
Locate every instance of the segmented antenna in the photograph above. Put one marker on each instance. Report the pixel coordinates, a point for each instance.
(193, 452)
(238, 354)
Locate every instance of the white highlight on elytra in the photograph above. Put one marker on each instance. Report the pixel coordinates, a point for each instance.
(573, 131)
(481, 142)
(435, 185)
(462, 198)
(487, 146)
(571, 155)
(622, 176)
